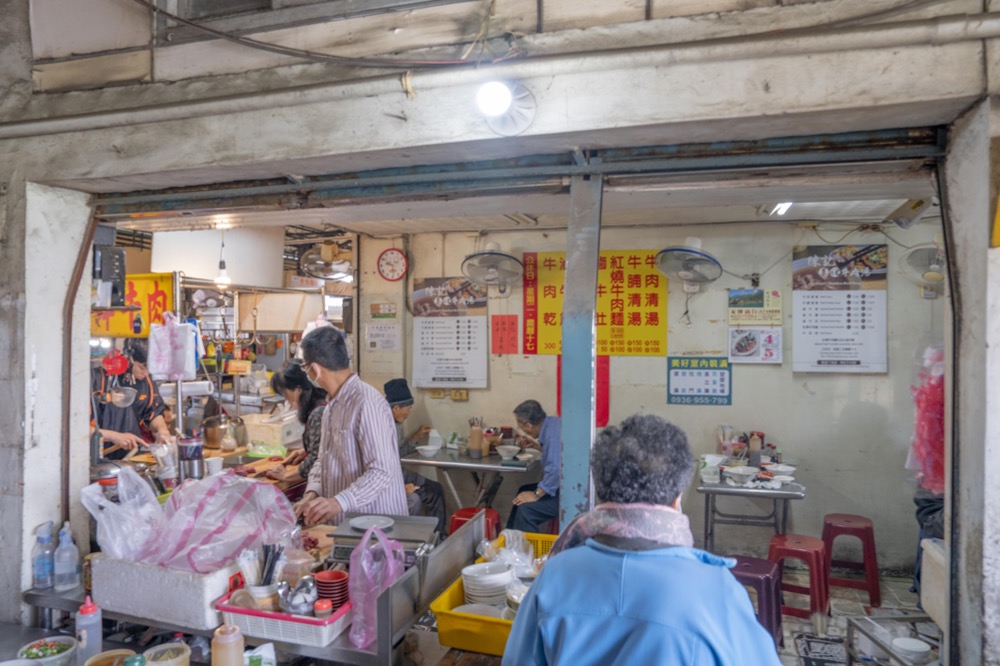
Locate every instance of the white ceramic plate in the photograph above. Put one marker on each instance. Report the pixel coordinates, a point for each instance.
(781, 469)
(362, 523)
(782, 478)
(478, 609)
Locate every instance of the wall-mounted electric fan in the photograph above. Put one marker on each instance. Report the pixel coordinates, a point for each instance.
(491, 267)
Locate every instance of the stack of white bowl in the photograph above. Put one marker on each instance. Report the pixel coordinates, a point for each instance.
(486, 583)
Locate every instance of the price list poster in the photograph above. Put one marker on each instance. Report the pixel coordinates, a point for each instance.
(839, 301)
(631, 314)
(449, 334)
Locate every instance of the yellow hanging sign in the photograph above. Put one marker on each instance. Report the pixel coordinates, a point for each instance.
(151, 293)
(631, 314)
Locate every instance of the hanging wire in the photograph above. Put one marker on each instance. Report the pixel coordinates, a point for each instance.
(686, 317)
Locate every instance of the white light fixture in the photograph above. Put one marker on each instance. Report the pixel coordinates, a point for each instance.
(782, 208)
(222, 280)
(494, 99)
(222, 222)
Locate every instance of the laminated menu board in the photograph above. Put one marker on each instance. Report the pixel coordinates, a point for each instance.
(839, 300)
(449, 334)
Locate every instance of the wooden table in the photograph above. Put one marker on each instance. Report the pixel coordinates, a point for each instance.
(449, 459)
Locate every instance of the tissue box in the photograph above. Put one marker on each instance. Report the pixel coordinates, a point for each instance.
(277, 434)
(158, 594)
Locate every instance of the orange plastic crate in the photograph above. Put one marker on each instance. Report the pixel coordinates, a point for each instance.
(477, 633)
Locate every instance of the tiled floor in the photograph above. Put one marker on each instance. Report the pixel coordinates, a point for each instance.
(844, 602)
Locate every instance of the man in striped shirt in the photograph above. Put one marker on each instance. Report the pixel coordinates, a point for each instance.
(358, 464)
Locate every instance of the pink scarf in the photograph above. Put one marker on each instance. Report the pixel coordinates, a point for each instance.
(653, 522)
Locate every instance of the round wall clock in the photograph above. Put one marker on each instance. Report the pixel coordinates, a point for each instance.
(392, 264)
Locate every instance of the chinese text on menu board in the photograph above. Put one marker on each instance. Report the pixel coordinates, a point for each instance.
(449, 334)
(631, 315)
(839, 295)
(699, 380)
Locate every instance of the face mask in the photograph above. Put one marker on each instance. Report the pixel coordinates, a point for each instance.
(312, 381)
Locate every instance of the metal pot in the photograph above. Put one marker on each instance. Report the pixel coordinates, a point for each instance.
(214, 430)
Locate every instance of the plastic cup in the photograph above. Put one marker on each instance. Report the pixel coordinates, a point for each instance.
(266, 596)
(213, 465)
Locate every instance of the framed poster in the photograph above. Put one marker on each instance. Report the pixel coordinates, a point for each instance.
(839, 300)
(699, 380)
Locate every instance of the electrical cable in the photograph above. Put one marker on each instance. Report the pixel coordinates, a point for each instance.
(514, 51)
(304, 54)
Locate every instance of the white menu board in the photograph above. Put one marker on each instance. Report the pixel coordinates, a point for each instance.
(839, 301)
(449, 334)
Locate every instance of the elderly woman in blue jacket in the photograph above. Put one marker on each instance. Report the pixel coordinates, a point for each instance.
(624, 585)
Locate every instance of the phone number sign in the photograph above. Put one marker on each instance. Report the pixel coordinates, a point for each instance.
(699, 380)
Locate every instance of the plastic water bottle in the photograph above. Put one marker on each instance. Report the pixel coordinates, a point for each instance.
(42, 560)
(89, 631)
(67, 561)
(227, 646)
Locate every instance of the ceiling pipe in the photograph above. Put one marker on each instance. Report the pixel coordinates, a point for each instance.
(800, 41)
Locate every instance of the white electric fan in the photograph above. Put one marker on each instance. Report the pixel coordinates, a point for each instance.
(925, 265)
(689, 264)
(328, 261)
(491, 267)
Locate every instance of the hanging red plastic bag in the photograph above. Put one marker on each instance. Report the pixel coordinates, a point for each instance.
(374, 567)
(172, 349)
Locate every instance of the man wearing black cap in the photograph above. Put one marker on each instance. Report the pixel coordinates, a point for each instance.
(129, 426)
(422, 495)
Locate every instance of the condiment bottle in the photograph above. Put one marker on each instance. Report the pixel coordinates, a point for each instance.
(89, 632)
(754, 445)
(227, 646)
(322, 608)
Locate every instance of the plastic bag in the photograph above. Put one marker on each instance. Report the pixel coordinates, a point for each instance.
(517, 552)
(172, 349)
(374, 567)
(207, 523)
(125, 529)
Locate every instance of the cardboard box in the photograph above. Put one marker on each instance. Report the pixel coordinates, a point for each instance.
(934, 577)
(158, 594)
(280, 433)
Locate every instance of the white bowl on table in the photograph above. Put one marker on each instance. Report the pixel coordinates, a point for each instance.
(61, 659)
(428, 451)
(740, 475)
(528, 455)
(508, 451)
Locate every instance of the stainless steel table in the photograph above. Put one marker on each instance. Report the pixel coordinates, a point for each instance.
(778, 518)
(449, 459)
(867, 627)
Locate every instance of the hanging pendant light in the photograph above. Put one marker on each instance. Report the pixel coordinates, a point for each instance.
(222, 280)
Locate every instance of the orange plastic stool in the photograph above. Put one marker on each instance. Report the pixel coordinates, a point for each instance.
(811, 551)
(845, 524)
(463, 516)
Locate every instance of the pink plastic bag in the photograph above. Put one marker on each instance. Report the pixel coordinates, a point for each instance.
(208, 523)
(374, 567)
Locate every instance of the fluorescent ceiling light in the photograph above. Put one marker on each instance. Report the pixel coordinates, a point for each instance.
(494, 98)
(782, 208)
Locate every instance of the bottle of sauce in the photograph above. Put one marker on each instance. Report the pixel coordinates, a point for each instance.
(89, 631)
(227, 646)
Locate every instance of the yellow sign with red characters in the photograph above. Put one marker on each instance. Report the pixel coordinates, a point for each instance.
(151, 293)
(631, 315)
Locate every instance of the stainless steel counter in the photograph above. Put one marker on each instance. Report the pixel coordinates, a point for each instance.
(448, 459)
(777, 518)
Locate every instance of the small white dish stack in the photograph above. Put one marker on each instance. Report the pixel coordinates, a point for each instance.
(486, 583)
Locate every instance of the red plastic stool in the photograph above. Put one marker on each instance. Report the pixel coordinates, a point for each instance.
(764, 577)
(463, 516)
(844, 524)
(811, 551)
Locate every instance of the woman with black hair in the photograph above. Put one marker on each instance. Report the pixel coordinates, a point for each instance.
(308, 400)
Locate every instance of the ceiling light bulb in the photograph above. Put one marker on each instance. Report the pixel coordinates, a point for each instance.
(222, 280)
(782, 208)
(494, 98)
